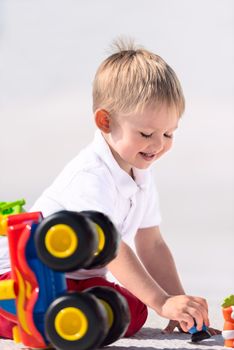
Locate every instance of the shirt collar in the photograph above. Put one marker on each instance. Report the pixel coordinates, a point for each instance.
(125, 184)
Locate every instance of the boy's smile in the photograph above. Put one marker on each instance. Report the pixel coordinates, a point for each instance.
(148, 156)
(138, 139)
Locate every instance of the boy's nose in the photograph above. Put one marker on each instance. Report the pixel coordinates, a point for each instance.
(157, 145)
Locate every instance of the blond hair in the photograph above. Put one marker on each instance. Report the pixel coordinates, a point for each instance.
(133, 78)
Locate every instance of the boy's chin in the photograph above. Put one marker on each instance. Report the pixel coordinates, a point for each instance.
(143, 166)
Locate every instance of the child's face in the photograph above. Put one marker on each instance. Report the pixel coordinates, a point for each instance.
(139, 139)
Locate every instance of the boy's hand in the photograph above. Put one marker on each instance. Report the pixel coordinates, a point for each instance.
(172, 325)
(186, 309)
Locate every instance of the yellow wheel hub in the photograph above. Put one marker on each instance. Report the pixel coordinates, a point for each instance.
(61, 241)
(110, 315)
(71, 323)
(101, 239)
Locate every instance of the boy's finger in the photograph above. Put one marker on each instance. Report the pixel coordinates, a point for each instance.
(186, 322)
(200, 314)
(201, 301)
(180, 329)
(198, 319)
(184, 326)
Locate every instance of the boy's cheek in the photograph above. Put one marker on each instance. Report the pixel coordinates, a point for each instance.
(165, 150)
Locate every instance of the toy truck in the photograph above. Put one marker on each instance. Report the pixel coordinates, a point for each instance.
(36, 297)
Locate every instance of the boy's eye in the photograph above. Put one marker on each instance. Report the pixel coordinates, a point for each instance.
(145, 135)
(168, 136)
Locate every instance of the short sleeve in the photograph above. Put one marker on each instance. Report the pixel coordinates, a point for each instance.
(152, 215)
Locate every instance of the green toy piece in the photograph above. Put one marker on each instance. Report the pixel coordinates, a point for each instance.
(229, 301)
(9, 208)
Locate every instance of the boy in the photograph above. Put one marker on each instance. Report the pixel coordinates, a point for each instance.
(137, 104)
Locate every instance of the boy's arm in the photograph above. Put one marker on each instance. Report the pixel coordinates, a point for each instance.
(158, 260)
(127, 268)
(129, 271)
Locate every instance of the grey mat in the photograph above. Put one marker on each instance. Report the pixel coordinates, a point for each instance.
(150, 337)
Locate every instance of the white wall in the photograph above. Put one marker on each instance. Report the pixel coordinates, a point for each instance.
(49, 51)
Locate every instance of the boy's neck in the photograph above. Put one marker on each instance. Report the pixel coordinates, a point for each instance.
(125, 167)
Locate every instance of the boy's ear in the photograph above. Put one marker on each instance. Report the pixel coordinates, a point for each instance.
(102, 120)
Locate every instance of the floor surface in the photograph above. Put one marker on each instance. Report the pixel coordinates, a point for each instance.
(150, 337)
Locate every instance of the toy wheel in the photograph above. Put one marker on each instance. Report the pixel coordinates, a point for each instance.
(108, 238)
(76, 321)
(117, 310)
(65, 241)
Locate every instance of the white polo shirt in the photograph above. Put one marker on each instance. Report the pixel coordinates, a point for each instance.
(94, 181)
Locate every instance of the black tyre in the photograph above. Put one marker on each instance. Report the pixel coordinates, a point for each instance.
(117, 310)
(108, 238)
(76, 321)
(66, 241)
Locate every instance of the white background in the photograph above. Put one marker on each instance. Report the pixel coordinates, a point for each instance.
(49, 52)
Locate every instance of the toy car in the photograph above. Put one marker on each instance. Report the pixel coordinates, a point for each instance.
(198, 336)
(36, 298)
